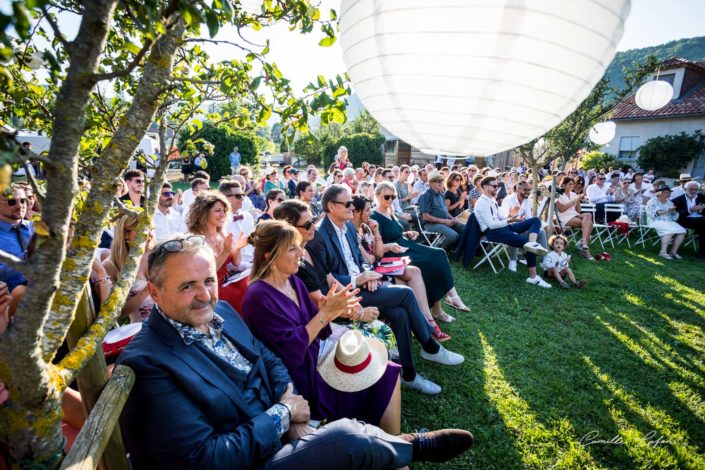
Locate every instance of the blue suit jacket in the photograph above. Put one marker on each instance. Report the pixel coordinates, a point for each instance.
(187, 408)
(325, 248)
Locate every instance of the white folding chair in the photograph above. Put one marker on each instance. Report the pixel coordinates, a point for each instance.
(432, 239)
(690, 239)
(492, 254)
(617, 210)
(598, 229)
(646, 233)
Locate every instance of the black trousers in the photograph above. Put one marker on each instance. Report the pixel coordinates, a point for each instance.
(398, 307)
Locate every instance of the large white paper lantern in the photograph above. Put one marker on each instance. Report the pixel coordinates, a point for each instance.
(476, 77)
(654, 95)
(602, 133)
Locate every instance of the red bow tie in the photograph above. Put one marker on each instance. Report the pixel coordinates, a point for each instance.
(238, 217)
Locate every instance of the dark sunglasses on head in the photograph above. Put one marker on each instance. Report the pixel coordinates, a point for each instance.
(13, 202)
(168, 193)
(347, 204)
(387, 197)
(309, 224)
(176, 245)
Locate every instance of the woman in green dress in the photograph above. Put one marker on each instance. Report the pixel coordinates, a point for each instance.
(433, 262)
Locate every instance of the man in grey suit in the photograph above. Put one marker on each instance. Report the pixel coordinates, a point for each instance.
(208, 394)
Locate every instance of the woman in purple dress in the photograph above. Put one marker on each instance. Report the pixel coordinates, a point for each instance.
(279, 311)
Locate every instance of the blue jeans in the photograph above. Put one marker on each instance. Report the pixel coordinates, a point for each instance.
(343, 444)
(511, 235)
(451, 234)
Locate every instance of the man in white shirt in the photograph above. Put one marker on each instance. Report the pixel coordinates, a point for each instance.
(421, 186)
(680, 190)
(599, 193)
(691, 213)
(167, 221)
(498, 230)
(517, 208)
(241, 223)
(187, 197)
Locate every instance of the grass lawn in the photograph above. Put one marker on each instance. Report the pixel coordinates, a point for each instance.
(611, 376)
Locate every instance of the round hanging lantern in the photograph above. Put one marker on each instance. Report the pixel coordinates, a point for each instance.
(602, 133)
(476, 78)
(654, 95)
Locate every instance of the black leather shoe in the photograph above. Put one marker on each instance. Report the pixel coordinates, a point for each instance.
(438, 446)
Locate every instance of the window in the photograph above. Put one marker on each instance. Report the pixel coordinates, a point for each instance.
(628, 146)
(668, 77)
(390, 147)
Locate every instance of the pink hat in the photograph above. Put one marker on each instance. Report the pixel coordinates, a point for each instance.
(357, 363)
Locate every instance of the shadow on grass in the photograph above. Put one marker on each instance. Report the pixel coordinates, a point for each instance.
(531, 387)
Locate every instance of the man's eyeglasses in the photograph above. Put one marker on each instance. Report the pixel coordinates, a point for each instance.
(309, 224)
(280, 199)
(347, 204)
(176, 245)
(236, 196)
(601, 179)
(493, 185)
(390, 177)
(388, 197)
(168, 193)
(13, 202)
(140, 181)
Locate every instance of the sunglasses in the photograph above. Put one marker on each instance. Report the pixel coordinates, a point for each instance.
(309, 224)
(390, 178)
(493, 185)
(388, 197)
(168, 193)
(138, 181)
(280, 199)
(13, 202)
(174, 246)
(236, 196)
(347, 204)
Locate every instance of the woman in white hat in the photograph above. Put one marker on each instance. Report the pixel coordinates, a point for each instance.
(279, 311)
(662, 216)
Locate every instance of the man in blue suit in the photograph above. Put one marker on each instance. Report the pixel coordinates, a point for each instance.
(335, 246)
(208, 394)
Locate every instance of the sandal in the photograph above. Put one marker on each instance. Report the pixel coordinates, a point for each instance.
(443, 317)
(565, 285)
(455, 302)
(437, 334)
(585, 251)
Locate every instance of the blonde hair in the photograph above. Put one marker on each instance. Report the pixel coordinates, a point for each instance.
(271, 239)
(381, 187)
(197, 218)
(119, 249)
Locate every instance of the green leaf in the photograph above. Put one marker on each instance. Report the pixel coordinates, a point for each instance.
(326, 42)
(264, 114)
(131, 47)
(337, 115)
(321, 81)
(213, 23)
(255, 83)
(265, 51)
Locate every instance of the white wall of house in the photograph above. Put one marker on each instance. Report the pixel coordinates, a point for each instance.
(633, 133)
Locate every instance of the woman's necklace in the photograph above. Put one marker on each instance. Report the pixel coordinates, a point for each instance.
(287, 290)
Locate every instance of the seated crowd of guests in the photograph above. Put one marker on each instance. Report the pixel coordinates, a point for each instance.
(279, 315)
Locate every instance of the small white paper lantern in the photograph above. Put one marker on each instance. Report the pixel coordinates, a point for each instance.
(476, 77)
(602, 133)
(654, 95)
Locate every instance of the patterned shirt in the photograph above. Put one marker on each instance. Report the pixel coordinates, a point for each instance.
(219, 344)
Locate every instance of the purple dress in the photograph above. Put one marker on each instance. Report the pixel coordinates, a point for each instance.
(281, 325)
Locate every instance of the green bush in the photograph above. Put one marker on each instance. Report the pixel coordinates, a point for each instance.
(309, 148)
(223, 139)
(361, 148)
(669, 153)
(598, 160)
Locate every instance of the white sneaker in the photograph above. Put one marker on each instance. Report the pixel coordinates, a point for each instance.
(443, 356)
(537, 281)
(535, 248)
(512, 266)
(423, 385)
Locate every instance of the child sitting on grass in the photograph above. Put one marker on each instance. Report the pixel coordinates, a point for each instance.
(556, 262)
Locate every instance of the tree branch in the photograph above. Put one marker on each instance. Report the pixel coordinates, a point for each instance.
(221, 41)
(124, 210)
(130, 67)
(12, 261)
(33, 181)
(57, 32)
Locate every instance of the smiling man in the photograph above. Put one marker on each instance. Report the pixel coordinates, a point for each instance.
(208, 394)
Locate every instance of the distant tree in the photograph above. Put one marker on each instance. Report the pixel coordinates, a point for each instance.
(363, 123)
(667, 154)
(598, 160)
(276, 134)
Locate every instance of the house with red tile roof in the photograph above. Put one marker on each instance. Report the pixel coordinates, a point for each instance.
(684, 113)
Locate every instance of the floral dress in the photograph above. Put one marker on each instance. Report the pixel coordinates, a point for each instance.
(664, 223)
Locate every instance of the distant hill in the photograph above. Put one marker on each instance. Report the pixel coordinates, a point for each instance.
(691, 49)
